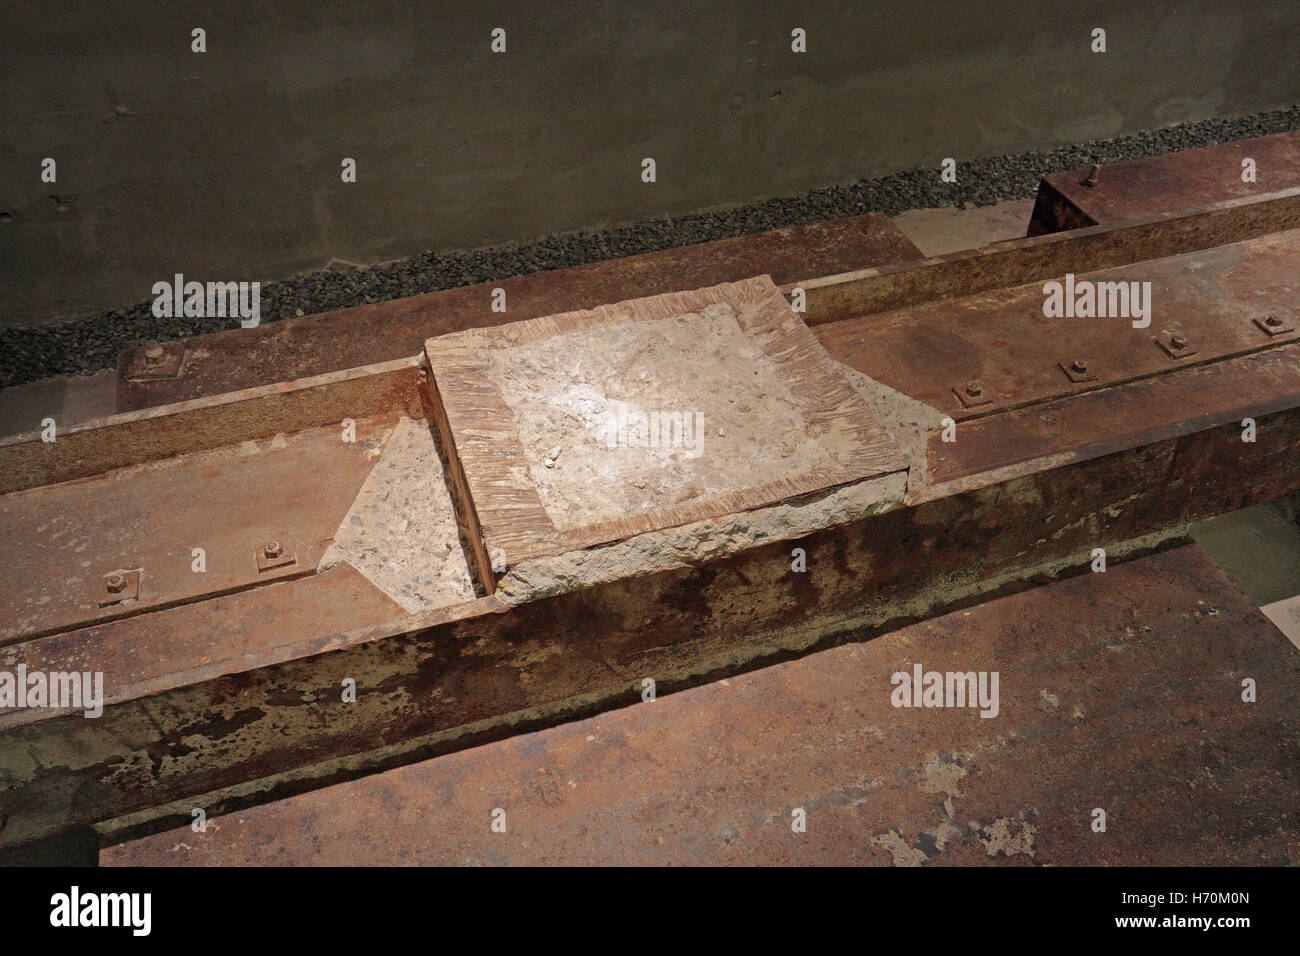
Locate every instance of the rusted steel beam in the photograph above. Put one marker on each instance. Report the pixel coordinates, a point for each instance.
(212, 701)
(363, 335)
(1138, 188)
(203, 724)
(1107, 420)
(1200, 308)
(149, 523)
(1039, 258)
(199, 425)
(1119, 691)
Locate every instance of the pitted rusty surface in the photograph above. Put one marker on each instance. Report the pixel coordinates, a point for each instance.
(58, 541)
(1002, 346)
(1119, 691)
(1162, 184)
(348, 338)
(1108, 420)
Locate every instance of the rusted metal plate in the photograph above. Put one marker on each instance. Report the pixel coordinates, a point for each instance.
(1160, 184)
(61, 542)
(1107, 420)
(315, 344)
(1119, 691)
(196, 641)
(127, 440)
(1000, 349)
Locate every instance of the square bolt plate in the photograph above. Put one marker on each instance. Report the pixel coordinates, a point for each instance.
(1166, 343)
(1281, 326)
(168, 366)
(971, 401)
(1074, 375)
(118, 587)
(266, 561)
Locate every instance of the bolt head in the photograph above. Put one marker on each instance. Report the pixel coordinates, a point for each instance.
(974, 389)
(1178, 342)
(1080, 365)
(273, 549)
(154, 354)
(115, 583)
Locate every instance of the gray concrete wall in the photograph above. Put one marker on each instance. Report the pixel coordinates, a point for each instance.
(225, 165)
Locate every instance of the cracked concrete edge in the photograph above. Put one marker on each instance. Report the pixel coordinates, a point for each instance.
(700, 541)
(908, 422)
(399, 521)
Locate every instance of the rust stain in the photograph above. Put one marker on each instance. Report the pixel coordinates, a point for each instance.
(713, 775)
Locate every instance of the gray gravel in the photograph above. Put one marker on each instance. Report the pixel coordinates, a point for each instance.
(92, 343)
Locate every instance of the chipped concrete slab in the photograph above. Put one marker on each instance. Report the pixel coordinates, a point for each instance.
(908, 422)
(586, 429)
(401, 530)
(640, 415)
(700, 541)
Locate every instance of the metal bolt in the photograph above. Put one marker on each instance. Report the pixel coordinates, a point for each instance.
(1080, 365)
(974, 389)
(1178, 341)
(1273, 321)
(115, 583)
(273, 549)
(1093, 175)
(154, 354)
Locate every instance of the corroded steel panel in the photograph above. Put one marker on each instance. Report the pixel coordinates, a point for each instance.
(1160, 184)
(1119, 691)
(1200, 307)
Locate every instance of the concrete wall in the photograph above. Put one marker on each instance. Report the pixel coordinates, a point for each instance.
(225, 165)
